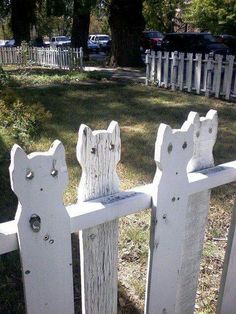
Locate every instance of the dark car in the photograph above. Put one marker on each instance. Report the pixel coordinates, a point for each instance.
(193, 42)
(151, 40)
(228, 40)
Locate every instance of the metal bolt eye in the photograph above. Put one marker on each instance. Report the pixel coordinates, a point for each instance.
(210, 130)
(170, 148)
(93, 150)
(29, 175)
(35, 223)
(46, 237)
(54, 173)
(184, 145)
(51, 241)
(112, 146)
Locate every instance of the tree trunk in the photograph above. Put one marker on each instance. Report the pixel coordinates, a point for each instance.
(22, 16)
(80, 26)
(126, 23)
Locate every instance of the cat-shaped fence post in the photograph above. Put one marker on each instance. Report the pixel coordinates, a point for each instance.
(43, 229)
(173, 150)
(205, 132)
(98, 153)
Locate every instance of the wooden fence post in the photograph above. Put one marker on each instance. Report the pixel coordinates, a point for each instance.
(227, 294)
(147, 61)
(153, 66)
(230, 76)
(98, 153)
(81, 57)
(198, 72)
(217, 86)
(43, 229)
(189, 71)
(205, 132)
(166, 68)
(173, 151)
(174, 70)
(209, 74)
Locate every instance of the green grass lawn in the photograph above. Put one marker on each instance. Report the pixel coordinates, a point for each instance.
(95, 100)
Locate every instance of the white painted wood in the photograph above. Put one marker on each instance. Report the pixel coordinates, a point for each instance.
(147, 61)
(227, 295)
(230, 76)
(218, 76)
(159, 65)
(205, 132)
(189, 72)
(198, 72)
(209, 74)
(98, 153)
(101, 210)
(181, 71)
(153, 68)
(166, 68)
(39, 181)
(174, 70)
(173, 150)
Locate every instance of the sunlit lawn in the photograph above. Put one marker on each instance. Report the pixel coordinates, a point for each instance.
(95, 101)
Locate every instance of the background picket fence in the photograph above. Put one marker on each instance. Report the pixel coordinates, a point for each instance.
(67, 59)
(210, 75)
(179, 197)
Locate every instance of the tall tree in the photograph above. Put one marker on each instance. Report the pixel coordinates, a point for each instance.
(22, 18)
(127, 23)
(81, 21)
(160, 14)
(217, 16)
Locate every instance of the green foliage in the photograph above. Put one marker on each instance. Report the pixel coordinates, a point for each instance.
(23, 120)
(217, 16)
(159, 14)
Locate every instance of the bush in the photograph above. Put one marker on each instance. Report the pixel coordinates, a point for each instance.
(23, 120)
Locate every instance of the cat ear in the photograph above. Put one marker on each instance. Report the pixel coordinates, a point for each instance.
(114, 129)
(193, 117)
(164, 135)
(84, 143)
(18, 169)
(57, 150)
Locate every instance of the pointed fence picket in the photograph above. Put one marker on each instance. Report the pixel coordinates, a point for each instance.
(59, 58)
(179, 197)
(202, 74)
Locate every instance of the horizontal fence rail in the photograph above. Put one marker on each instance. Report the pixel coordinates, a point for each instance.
(179, 201)
(57, 58)
(211, 75)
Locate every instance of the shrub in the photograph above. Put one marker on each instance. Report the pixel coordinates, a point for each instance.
(23, 120)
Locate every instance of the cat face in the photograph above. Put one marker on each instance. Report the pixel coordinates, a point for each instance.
(205, 133)
(38, 173)
(174, 148)
(98, 153)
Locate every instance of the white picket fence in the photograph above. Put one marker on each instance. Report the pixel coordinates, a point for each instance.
(179, 197)
(58, 58)
(209, 75)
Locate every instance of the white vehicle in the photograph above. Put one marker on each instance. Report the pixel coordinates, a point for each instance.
(101, 40)
(60, 41)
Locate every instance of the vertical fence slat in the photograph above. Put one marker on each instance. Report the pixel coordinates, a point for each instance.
(174, 70)
(98, 153)
(158, 67)
(43, 229)
(166, 68)
(181, 71)
(173, 151)
(230, 76)
(227, 294)
(198, 72)
(205, 132)
(189, 75)
(218, 75)
(209, 74)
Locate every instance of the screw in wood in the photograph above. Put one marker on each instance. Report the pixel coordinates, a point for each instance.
(210, 130)
(173, 199)
(184, 146)
(92, 236)
(197, 134)
(29, 175)
(54, 173)
(112, 146)
(46, 237)
(27, 272)
(93, 150)
(51, 241)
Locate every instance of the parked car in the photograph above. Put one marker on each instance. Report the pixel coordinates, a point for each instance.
(193, 42)
(101, 40)
(60, 41)
(10, 43)
(151, 40)
(228, 40)
(93, 47)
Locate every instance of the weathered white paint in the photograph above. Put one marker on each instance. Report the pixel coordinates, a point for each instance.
(230, 60)
(174, 69)
(159, 63)
(166, 69)
(219, 59)
(205, 132)
(198, 72)
(39, 181)
(98, 153)
(227, 295)
(189, 71)
(181, 71)
(173, 150)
